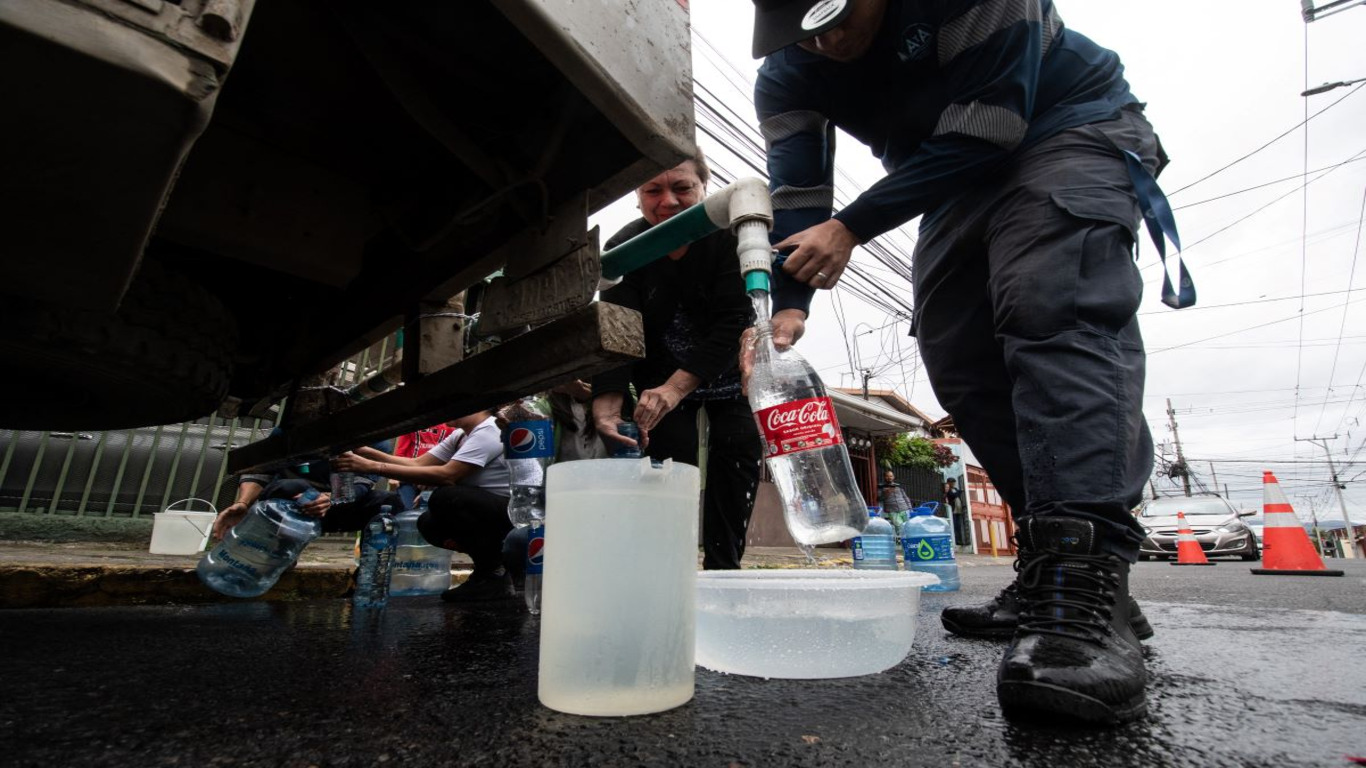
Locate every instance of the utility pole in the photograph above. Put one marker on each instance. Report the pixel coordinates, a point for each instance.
(1180, 465)
(1314, 516)
(1215, 478)
(1350, 544)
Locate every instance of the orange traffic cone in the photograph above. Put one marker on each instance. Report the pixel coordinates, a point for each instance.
(1286, 549)
(1188, 551)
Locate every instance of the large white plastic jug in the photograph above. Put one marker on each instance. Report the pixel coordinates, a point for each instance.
(617, 620)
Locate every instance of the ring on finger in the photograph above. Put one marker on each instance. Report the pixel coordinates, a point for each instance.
(822, 277)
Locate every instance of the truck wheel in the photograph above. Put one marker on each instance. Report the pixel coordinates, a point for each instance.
(164, 356)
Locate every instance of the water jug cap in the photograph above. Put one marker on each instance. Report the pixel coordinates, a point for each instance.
(875, 511)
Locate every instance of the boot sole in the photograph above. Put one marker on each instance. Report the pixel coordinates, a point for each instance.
(1044, 704)
(1139, 624)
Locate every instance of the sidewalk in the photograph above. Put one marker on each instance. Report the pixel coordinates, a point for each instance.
(47, 574)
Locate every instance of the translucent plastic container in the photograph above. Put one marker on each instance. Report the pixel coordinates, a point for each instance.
(419, 567)
(806, 624)
(617, 625)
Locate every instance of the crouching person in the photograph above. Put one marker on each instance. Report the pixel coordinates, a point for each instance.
(467, 511)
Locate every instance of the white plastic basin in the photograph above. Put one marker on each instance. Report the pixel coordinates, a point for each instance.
(806, 624)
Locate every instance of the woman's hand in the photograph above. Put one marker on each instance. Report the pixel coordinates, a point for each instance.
(655, 404)
(606, 416)
(350, 462)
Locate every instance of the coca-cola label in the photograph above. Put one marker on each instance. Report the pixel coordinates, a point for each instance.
(800, 425)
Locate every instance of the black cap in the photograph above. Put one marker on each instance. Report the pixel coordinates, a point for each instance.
(780, 23)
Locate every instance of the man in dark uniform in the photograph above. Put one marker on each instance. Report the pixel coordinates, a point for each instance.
(1007, 131)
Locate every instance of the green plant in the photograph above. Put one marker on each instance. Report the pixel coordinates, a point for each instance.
(903, 450)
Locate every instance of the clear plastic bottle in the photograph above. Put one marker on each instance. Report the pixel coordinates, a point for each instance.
(343, 487)
(620, 451)
(528, 447)
(419, 567)
(876, 549)
(803, 444)
(927, 546)
(376, 560)
(535, 563)
(251, 556)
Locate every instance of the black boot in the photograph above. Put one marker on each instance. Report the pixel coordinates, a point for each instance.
(997, 617)
(1074, 656)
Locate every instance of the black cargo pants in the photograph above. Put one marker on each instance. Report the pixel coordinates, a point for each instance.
(1026, 293)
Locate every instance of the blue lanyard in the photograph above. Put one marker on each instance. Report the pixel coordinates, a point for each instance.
(1157, 214)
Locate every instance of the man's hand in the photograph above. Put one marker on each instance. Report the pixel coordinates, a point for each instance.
(788, 327)
(350, 462)
(317, 507)
(821, 254)
(228, 517)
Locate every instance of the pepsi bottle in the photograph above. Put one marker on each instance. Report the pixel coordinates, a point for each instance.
(535, 562)
(528, 447)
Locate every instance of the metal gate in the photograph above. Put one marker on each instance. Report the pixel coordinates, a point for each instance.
(136, 472)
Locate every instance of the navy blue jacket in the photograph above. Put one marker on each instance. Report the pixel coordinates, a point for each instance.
(948, 92)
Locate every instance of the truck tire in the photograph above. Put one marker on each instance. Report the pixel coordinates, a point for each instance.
(165, 356)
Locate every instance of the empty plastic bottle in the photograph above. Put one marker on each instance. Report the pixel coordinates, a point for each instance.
(251, 556)
(876, 548)
(343, 487)
(927, 546)
(377, 547)
(535, 562)
(419, 567)
(803, 445)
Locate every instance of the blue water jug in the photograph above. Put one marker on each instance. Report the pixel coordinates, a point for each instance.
(876, 548)
(251, 557)
(927, 546)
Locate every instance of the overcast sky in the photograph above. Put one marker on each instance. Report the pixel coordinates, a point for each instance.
(1221, 78)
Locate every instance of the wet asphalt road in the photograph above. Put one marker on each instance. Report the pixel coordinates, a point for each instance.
(1245, 671)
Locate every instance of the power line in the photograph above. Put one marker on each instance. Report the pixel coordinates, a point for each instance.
(1267, 184)
(1269, 143)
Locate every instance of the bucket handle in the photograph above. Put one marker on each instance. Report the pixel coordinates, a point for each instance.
(206, 531)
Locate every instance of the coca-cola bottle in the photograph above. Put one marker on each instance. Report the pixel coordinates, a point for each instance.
(803, 445)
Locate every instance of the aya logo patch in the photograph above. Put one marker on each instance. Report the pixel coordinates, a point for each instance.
(917, 42)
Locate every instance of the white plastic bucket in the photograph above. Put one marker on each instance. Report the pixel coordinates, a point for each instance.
(182, 531)
(617, 628)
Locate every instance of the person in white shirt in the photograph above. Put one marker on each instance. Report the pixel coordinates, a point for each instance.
(467, 512)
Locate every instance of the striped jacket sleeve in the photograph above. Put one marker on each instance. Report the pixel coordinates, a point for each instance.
(801, 172)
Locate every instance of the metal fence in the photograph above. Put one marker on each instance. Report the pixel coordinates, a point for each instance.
(136, 472)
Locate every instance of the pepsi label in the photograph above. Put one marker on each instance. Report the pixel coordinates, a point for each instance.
(535, 550)
(529, 440)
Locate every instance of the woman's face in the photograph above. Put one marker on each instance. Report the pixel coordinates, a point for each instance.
(670, 192)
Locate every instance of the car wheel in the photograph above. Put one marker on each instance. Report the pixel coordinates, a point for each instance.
(1252, 553)
(164, 356)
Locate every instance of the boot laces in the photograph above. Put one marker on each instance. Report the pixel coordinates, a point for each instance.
(1068, 595)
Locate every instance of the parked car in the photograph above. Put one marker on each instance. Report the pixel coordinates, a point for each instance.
(1217, 525)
